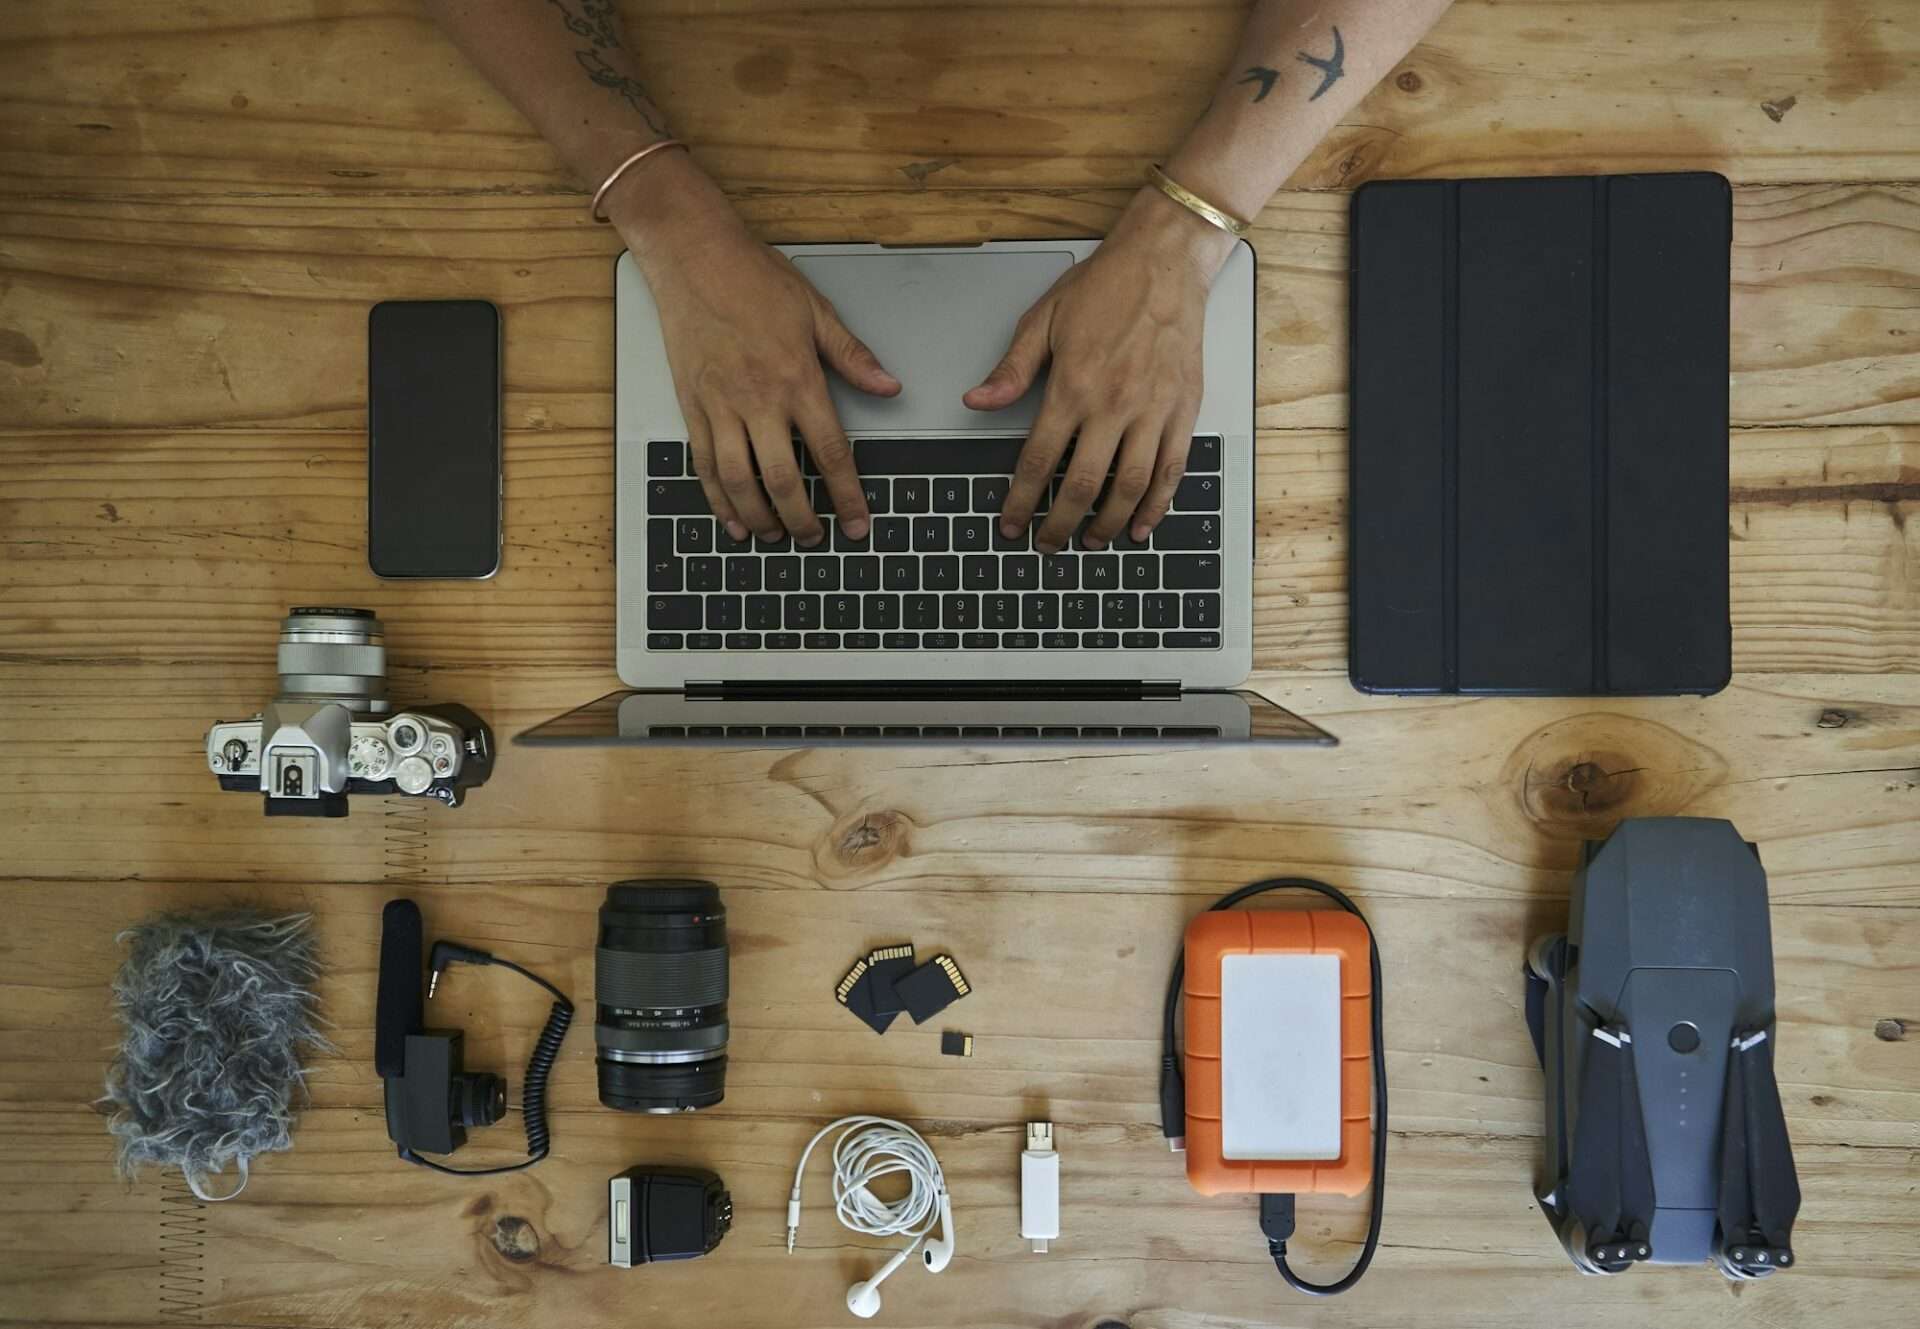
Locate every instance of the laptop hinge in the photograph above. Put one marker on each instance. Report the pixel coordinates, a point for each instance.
(936, 690)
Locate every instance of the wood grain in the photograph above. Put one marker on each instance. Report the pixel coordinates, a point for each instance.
(1465, 1246)
(249, 313)
(199, 203)
(305, 96)
(160, 546)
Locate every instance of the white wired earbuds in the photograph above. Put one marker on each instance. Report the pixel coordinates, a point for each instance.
(868, 1149)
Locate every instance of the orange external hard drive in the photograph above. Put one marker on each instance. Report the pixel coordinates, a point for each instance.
(1279, 1076)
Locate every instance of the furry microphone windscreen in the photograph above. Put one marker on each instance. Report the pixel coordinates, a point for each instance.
(218, 1010)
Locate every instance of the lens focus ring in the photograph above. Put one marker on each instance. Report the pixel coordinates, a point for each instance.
(653, 981)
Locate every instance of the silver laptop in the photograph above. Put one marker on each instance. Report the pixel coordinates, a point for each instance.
(933, 627)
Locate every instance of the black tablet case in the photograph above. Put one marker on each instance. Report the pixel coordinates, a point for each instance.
(1539, 435)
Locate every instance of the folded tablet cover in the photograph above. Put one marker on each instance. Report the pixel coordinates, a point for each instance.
(1539, 435)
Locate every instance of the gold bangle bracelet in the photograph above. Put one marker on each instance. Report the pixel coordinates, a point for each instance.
(600, 194)
(1198, 206)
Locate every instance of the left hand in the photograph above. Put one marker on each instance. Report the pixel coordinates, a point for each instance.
(1123, 330)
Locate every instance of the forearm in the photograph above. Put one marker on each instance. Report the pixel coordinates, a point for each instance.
(567, 67)
(1291, 81)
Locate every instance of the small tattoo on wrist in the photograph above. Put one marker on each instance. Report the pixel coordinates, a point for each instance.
(1265, 77)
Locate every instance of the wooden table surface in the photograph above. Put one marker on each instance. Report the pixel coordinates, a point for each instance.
(199, 202)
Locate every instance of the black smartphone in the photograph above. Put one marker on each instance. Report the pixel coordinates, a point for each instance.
(433, 438)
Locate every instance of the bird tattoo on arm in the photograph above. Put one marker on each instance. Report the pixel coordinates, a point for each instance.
(1265, 77)
(1332, 69)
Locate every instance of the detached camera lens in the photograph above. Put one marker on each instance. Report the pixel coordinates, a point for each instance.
(660, 979)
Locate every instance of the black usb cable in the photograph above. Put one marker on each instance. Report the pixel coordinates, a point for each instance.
(1276, 1211)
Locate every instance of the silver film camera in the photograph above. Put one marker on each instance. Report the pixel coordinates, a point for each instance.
(331, 731)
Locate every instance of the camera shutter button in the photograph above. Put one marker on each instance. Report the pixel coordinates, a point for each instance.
(413, 775)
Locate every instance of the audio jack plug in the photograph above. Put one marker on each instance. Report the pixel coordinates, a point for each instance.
(447, 953)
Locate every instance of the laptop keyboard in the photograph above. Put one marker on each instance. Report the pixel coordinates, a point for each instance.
(1016, 732)
(934, 573)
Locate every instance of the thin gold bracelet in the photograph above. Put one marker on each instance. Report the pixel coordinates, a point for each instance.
(600, 194)
(1198, 206)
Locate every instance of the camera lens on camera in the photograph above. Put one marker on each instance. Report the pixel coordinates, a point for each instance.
(660, 979)
(334, 655)
(479, 1098)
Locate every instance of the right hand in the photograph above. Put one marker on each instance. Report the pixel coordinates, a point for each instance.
(745, 336)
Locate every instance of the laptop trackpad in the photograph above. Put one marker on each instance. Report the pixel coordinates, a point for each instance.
(940, 322)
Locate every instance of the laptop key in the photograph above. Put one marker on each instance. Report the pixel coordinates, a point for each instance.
(1139, 641)
(1060, 572)
(1199, 610)
(693, 535)
(724, 543)
(1190, 572)
(822, 499)
(846, 544)
(941, 641)
(667, 613)
(743, 574)
(664, 641)
(951, 494)
(1041, 612)
(910, 494)
(1019, 641)
(960, 613)
(900, 574)
(880, 613)
(821, 574)
(1080, 611)
(676, 498)
(704, 573)
(843, 612)
(666, 574)
(1197, 530)
(1204, 455)
(745, 731)
(763, 612)
(1160, 611)
(1197, 493)
(1020, 573)
(970, 534)
(1121, 610)
(879, 495)
(1139, 731)
(901, 641)
(783, 573)
(724, 613)
(1099, 641)
(822, 641)
(1140, 572)
(668, 458)
(861, 641)
(861, 573)
(801, 613)
(1100, 572)
(936, 456)
(1059, 641)
(743, 641)
(892, 535)
(1000, 612)
(980, 641)
(783, 731)
(703, 641)
(990, 493)
(783, 641)
(1190, 641)
(922, 612)
(901, 730)
(781, 544)
(941, 572)
(980, 572)
(930, 535)
(1010, 543)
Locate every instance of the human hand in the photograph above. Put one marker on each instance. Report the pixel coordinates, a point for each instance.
(1123, 329)
(745, 336)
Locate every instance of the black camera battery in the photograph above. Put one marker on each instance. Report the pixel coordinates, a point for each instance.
(665, 1213)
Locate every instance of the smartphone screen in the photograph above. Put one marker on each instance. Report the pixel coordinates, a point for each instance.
(433, 438)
